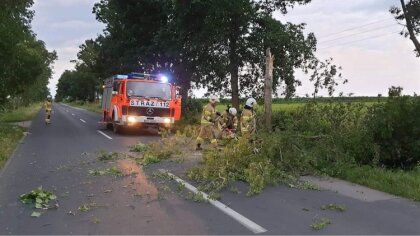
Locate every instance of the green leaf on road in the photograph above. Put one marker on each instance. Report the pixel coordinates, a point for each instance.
(36, 214)
(321, 224)
(333, 207)
(39, 198)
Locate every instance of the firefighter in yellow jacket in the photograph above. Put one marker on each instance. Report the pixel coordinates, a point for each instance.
(228, 123)
(207, 123)
(48, 109)
(248, 122)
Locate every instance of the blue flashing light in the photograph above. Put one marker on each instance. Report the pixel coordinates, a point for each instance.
(135, 75)
(121, 77)
(164, 79)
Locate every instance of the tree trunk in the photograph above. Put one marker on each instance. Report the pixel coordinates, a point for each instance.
(410, 27)
(268, 89)
(184, 82)
(234, 81)
(234, 73)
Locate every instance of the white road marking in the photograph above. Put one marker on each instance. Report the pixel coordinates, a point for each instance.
(104, 134)
(77, 108)
(82, 121)
(256, 229)
(72, 114)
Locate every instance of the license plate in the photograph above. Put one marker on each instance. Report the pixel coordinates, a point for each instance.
(143, 103)
(150, 121)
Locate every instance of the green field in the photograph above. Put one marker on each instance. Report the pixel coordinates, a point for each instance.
(291, 106)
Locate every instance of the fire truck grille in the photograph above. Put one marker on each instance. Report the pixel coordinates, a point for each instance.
(148, 111)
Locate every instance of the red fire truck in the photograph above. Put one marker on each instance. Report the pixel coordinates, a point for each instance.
(140, 100)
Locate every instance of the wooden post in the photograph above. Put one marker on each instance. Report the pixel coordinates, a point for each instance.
(268, 89)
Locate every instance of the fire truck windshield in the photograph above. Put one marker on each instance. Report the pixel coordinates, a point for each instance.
(149, 90)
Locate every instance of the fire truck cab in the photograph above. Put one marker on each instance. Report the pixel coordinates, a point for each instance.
(140, 100)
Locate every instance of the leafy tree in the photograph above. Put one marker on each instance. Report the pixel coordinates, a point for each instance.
(25, 63)
(395, 91)
(235, 61)
(76, 85)
(410, 13)
(216, 44)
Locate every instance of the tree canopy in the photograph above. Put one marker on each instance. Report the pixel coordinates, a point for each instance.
(25, 63)
(215, 44)
(409, 16)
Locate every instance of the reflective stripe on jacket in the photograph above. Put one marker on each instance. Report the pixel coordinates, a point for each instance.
(48, 105)
(208, 114)
(247, 121)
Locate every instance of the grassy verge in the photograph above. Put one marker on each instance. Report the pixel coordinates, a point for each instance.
(9, 137)
(90, 106)
(397, 182)
(11, 134)
(328, 138)
(21, 114)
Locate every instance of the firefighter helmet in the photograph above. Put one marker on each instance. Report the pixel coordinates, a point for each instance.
(214, 99)
(232, 111)
(250, 102)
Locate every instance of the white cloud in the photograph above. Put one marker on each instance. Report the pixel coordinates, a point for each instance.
(74, 25)
(64, 25)
(370, 63)
(64, 3)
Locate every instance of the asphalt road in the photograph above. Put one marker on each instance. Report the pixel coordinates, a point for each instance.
(60, 156)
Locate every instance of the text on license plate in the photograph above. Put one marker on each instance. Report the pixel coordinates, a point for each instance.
(148, 104)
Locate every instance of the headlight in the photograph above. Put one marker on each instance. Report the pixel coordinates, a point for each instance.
(131, 119)
(167, 120)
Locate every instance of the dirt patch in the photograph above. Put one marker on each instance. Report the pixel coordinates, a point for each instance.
(141, 183)
(24, 124)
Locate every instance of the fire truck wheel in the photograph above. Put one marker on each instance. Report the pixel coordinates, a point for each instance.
(116, 128)
(109, 125)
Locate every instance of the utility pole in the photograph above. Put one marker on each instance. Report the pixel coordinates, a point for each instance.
(268, 89)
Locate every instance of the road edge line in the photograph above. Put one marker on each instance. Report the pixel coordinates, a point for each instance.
(104, 134)
(247, 223)
(82, 120)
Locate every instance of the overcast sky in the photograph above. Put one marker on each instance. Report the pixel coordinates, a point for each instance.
(360, 35)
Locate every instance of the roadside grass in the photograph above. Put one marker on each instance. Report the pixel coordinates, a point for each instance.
(9, 138)
(397, 182)
(90, 106)
(11, 134)
(21, 114)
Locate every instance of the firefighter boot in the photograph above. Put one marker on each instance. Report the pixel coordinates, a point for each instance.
(47, 120)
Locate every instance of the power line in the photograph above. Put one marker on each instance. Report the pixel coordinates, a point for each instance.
(363, 32)
(357, 27)
(368, 38)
